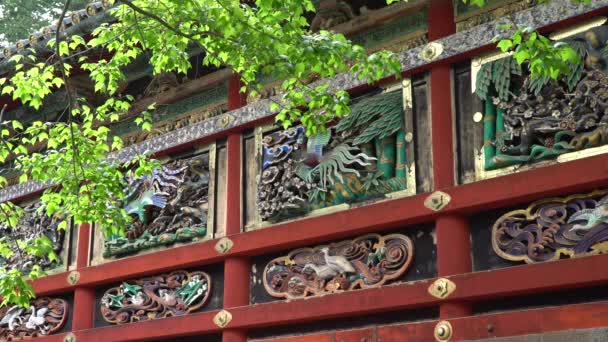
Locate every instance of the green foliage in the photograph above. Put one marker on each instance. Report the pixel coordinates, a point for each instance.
(19, 18)
(543, 57)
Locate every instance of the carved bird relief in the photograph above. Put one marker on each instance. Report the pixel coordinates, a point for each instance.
(593, 217)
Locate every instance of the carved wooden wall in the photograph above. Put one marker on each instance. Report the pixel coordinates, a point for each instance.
(405, 237)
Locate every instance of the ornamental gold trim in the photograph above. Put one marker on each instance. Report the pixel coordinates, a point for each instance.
(73, 277)
(222, 318)
(579, 28)
(443, 331)
(437, 200)
(442, 288)
(223, 245)
(69, 338)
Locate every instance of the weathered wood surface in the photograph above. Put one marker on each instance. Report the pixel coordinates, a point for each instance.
(469, 132)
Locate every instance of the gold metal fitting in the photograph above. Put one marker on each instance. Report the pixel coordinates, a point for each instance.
(431, 51)
(437, 200)
(443, 331)
(69, 338)
(442, 288)
(409, 137)
(225, 120)
(224, 245)
(222, 318)
(73, 277)
(477, 117)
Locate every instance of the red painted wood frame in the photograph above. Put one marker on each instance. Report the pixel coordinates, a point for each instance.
(453, 250)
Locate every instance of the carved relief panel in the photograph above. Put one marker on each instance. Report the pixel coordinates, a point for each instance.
(368, 155)
(554, 228)
(174, 205)
(45, 316)
(365, 262)
(35, 223)
(175, 294)
(519, 121)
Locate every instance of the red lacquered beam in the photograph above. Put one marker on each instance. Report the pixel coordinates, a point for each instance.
(530, 279)
(503, 283)
(51, 338)
(521, 188)
(513, 323)
(161, 329)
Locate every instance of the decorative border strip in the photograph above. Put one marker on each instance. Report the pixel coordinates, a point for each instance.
(458, 43)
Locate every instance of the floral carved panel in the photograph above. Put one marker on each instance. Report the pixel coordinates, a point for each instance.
(365, 262)
(175, 294)
(45, 316)
(552, 228)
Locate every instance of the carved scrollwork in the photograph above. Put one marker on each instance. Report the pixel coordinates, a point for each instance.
(551, 228)
(365, 262)
(175, 294)
(45, 316)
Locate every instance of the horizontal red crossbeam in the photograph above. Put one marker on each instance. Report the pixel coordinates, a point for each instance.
(520, 188)
(569, 317)
(502, 283)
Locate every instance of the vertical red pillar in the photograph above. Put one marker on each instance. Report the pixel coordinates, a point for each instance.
(453, 236)
(442, 130)
(84, 297)
(236, 269)
(441, 19)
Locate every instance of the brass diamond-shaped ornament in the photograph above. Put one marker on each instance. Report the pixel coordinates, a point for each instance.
(222, 318)
(224, 245)
(442, 288)
(437, 200)
(73, 277)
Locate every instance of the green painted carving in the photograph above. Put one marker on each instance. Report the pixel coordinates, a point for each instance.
(361, 157)
(117, 246)
(168, 112)
(528, 120)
